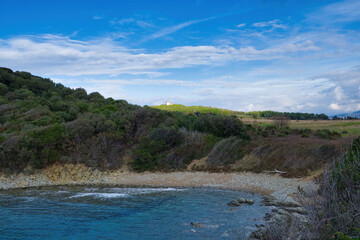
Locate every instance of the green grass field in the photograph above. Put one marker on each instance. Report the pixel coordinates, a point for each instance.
(344, 127)
(194, 109)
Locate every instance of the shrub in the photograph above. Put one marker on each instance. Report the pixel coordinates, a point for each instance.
(335, 208)
(280, 121)
(227, 151)
(327, 134)
(304, 135)
(167, 134)
(83, 107)
(3, 89)
(306, 130)
(221, 126)
(264, 133)
(147, 154)
(194, 145)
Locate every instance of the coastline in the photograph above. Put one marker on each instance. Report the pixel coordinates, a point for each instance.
(69, 174)
(278, 192)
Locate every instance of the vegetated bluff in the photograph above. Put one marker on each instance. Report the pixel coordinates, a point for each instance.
(42, 122)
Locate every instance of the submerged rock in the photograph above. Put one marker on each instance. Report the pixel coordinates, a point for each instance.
(240, 201)
(197, 224)
(202, 225)
(225, 234)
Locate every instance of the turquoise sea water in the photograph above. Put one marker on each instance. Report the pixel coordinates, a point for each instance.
(126, 213)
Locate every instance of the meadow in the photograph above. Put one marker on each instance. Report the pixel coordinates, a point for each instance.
(347, 128)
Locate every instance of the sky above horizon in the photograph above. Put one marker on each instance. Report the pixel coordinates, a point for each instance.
(294, 56)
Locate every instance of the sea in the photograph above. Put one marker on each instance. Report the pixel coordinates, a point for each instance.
(107, 212)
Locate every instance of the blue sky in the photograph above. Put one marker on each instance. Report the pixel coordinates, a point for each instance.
(240, 55)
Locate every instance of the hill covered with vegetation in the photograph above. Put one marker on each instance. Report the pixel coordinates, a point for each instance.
(42, 122)
(239, 114)
(195, 109)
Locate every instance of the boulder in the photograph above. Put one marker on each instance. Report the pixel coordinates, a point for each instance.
(272, 201)
(299, 210)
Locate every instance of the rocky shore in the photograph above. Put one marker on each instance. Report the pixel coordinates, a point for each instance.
(279, 191)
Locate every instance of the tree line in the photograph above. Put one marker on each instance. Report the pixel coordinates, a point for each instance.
(290, 115)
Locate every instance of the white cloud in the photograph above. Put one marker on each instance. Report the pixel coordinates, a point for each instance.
(250, 107)
(273, 23)
(51, 54)
(279, 94)
(347, 81)
(169, 30)
(97, 17)
(241, 25)
(138, 22)
(334, 106)
(343, 11)
(339, 93)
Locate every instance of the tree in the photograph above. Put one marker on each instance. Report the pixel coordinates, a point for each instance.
(3, 89)
(280, 121)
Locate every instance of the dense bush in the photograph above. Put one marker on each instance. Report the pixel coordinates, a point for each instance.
(227, 151)
(334, 209)
(221, 126)
(148, 153)
(327, 134)
(194, 145)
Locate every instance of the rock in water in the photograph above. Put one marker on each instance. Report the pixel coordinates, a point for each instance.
(197, 224)
(240, 201)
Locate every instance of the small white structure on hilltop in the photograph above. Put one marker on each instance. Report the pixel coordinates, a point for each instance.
(169, 103)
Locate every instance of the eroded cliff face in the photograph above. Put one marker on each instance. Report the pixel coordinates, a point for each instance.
(57, 175)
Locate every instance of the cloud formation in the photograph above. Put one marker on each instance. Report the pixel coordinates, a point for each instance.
(131, 20)
(97, 17)
(273, 24)
(51, 54)
(169, 30)
(343, 11)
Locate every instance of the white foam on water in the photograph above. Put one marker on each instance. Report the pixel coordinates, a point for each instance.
(91, 189)
(29, 199)
(100, 195)
(144, 190)
(61, 192)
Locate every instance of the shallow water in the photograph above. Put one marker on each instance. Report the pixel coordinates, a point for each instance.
(126, 213)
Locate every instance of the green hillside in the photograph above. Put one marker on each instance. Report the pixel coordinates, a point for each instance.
(194, 109)
(42, 123)
(252, 114)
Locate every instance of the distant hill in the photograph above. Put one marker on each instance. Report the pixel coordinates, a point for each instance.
(344, 115)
